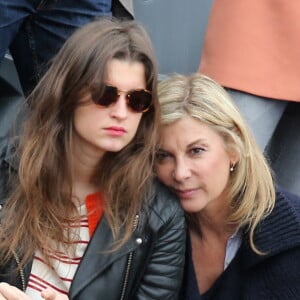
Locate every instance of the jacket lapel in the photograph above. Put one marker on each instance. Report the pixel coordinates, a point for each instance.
(97, 257)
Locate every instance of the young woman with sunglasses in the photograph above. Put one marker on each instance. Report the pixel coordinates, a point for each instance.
(83, 217)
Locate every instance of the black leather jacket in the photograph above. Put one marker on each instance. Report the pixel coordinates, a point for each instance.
(148, 266)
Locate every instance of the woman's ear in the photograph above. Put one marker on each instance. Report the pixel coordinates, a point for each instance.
(234, 157)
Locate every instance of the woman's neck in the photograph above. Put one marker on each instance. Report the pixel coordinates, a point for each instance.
(83, 171)
(81, 190)
(213, 223)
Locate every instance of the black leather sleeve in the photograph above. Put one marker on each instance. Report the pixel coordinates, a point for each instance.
(163, 272)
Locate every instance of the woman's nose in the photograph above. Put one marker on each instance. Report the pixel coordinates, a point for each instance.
(120, 109)
(181, 171)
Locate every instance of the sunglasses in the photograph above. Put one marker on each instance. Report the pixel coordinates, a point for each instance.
(137, 100)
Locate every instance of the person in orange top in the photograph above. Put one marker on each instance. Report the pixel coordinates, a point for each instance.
(251, 47)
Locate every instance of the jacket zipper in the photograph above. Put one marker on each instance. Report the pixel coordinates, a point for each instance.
(129, 262)
(21, 271)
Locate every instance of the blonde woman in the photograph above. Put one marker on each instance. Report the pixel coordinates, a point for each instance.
(244, 236)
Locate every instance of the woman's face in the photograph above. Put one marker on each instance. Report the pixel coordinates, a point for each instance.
(99, 129)
(193, 162)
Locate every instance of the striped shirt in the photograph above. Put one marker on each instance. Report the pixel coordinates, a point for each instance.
(64, 262)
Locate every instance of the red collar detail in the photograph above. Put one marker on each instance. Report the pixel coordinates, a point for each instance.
(94, 206)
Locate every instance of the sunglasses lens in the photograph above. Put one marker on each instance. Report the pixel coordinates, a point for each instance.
(139, 101)
(107, 97)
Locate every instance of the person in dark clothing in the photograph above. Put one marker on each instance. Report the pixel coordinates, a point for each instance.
(34, 31)
(243, 232)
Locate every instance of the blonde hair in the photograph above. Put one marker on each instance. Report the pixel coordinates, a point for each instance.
(251, 187)
(40, 207)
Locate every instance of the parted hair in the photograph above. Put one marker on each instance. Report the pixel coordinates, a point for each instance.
(40, 208)
(251, 187)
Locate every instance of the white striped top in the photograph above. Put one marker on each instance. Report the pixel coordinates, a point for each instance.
(64, 263)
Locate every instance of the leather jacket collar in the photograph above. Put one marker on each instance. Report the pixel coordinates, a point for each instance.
(103, 257)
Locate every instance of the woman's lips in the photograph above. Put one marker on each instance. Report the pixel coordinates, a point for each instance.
(115, 131)
(186, 193)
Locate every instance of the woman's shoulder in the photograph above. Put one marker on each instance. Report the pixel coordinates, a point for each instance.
(280, 230)
(8, 150)
(8, 164)
(161, 196)
(3, 148)
(288, 201)
(163, 202)
(278, 234)
(284, 220)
